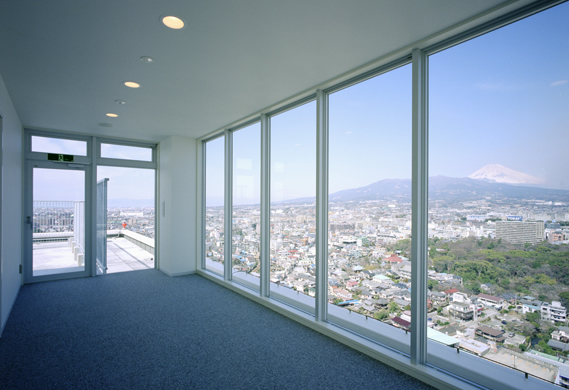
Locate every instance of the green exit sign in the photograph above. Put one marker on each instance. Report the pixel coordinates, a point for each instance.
(60, 157)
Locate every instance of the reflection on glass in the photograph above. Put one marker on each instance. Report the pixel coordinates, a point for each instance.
(126, 152)
(499, 199)
(246, 205)
(58, 145)
(214, 213)
(369, 219)
(130, 218)
(293, 208)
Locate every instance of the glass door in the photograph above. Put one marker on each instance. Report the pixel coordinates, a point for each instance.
(55, 214)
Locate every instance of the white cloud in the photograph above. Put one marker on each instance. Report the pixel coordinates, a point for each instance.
(558, 83)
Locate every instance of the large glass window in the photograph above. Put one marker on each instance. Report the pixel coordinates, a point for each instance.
(293, 207)
(214, 212)
(246, 205)
(369, 218)
(499, 194)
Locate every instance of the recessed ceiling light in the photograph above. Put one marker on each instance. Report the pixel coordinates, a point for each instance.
(131, 84)
(146, 59)
(111, 115)
(173, 22)
(120, 102)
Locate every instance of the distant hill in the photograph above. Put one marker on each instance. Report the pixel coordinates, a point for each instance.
(445, 188)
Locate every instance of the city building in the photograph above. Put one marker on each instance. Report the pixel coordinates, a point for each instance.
(553, 312)
(517, 232)
(82, 71)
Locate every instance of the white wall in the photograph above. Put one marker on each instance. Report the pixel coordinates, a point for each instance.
(177, 193)
(11, 206)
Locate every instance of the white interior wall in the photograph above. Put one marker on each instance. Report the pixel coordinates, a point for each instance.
(177, 205)
(11, 205)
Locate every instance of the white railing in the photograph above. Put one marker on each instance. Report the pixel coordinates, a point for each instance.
(59, 221)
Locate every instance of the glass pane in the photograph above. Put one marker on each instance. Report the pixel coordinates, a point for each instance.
(369, 216)
(58, 221)
(130, 218)
(499, 194)
(293, 207)
(126, 152)
(214, 201)
(59, 146)
(246, 205)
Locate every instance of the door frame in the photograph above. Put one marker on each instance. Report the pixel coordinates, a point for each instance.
(28, 211)
(90, 161)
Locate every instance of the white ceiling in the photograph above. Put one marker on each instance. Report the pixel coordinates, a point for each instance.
(64, 62)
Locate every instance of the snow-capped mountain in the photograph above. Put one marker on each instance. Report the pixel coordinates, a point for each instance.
(500, 174)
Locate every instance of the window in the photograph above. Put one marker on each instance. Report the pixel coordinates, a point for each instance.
(369, 210)
(58, 145)
(124, 152)
(214, 203)
(499, 261)
(246, 205)
(498, 256)
(293, 208)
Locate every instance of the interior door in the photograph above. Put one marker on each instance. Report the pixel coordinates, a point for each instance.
(55, 221)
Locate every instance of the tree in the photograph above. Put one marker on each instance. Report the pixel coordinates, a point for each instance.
(564, 296)
(432, 283)
(393, 307)
(381, 315)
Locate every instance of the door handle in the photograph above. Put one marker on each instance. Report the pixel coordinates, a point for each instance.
(29, 221)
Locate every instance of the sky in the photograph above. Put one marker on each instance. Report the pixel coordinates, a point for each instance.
(502, 98)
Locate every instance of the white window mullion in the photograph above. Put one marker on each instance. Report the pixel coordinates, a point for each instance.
(419, 236)
(228, 207)
(321, 206)
(265, 205)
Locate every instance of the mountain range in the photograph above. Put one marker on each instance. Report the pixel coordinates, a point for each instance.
(493, 181)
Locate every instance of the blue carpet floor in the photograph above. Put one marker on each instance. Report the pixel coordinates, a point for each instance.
(145, 330)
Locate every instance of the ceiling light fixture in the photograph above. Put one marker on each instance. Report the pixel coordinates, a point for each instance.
(131, 84)
(173, 22)
(146, 59)
(111, 115)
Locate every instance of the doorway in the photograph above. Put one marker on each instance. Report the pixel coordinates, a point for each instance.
(55, 220)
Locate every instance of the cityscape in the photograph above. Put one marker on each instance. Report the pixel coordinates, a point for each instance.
(497, 281)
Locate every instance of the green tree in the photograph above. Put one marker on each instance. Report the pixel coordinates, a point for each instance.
(381, 315)
(393, 307)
